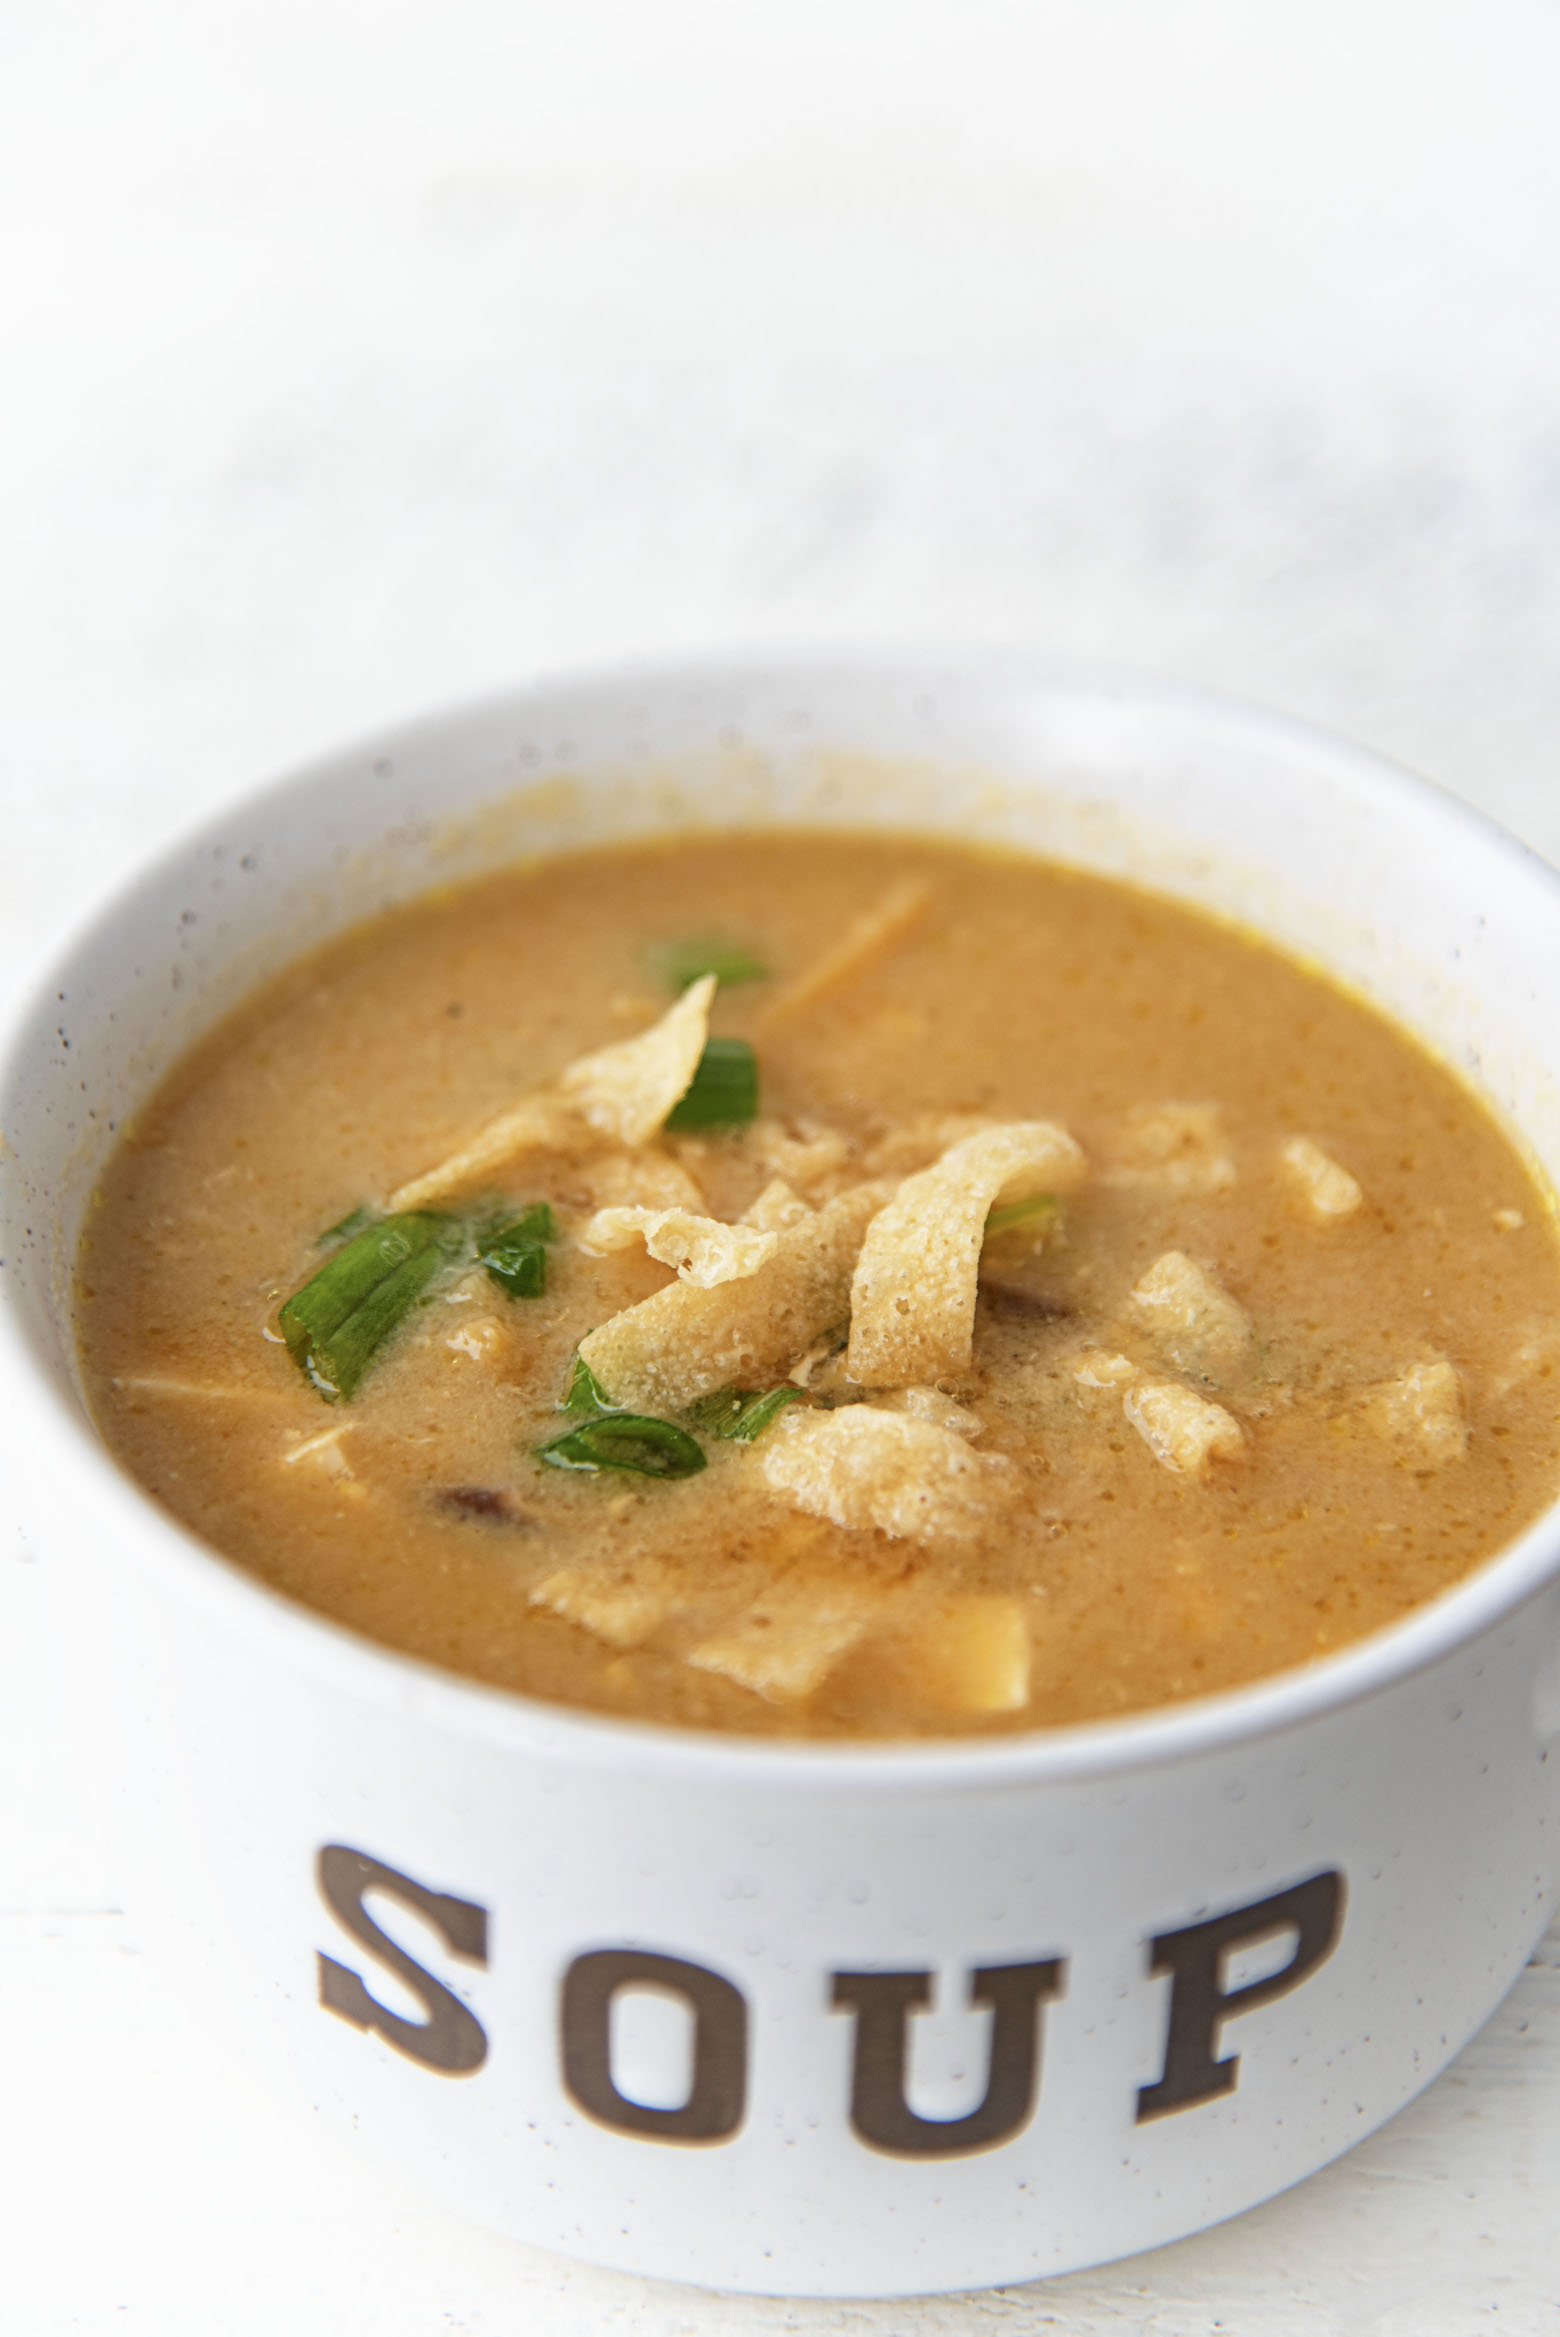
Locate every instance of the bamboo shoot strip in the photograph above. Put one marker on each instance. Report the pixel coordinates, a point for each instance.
(680, 963)
(343, 1314)
(738, 1415)
(724, 1090)
(515, 1254)
(622, 1440)
(866, 938)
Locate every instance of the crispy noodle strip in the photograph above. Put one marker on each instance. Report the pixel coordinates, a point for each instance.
(704, 1250)
(777, 1208)
(622, 1093)
(683, 1343)
(865, 1469)
(913, 1297)
(865, 938)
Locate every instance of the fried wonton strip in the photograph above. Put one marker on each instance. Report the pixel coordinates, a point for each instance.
(539, 1123)
(704, 1250)
(1422, 1407)
(867, 1469)
(622, 1093)
(645, 1179)
(803, 1152)
(913, 1296)
(1189, 1315)
(931, 1404)
(867, 937)
(1323, 1184)
(1182, 1430)
(791, 1638)
(626, 1091)
(1171, 1148)
(777, 1208)
(666, 1352)
(1098, 1368)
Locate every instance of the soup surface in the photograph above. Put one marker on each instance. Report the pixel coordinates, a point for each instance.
(1088, 1307)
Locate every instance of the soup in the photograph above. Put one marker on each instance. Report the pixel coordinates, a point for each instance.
(827, 1285)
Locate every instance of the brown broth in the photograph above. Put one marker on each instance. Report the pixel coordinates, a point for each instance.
(1024, 991)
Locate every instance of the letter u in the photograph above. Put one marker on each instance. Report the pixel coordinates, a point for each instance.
(883, 2002)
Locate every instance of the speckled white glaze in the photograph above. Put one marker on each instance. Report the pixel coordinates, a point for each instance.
(1415, 1767)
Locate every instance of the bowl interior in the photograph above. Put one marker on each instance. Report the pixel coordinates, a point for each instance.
(1409, 898)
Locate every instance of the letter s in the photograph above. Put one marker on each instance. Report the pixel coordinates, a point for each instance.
(451, 2039)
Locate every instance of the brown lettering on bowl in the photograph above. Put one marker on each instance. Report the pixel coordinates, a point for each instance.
(883, 2002)
(717, 2092)
(1195, 1959)
(451, 2039)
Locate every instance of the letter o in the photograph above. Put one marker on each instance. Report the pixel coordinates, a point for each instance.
(718, 2094)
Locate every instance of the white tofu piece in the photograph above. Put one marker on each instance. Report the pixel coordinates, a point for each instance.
(1422, 1407)
(974, 1654)
(1324, 1186)
(1182, 1430)
(1189, 1315)
(868, 1469)
(623, 1599)
(791, 1638)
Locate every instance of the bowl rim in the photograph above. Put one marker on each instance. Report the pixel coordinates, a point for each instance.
(68, 1443)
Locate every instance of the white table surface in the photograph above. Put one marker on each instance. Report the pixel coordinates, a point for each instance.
(358, 358)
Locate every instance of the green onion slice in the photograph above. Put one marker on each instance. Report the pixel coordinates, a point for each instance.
(355, 1221)
(1037, 1207)
(679, 963)
(724, 1089)
(738, 1415)
(515, 1253)
(336, 1324)
(583, 1392)
(621, 1440)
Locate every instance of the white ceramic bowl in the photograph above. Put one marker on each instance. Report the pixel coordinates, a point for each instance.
(816, 2020)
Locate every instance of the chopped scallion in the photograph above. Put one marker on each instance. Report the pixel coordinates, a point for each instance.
(355, 1221)
(583, 1392)
(723, 1092)
(342, 1316)
(1035, 1210)
(622, 1440)
(738, 1415)
(680, 963)
(515, 1253)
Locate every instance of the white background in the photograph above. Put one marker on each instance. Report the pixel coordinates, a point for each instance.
(356, 357)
